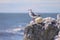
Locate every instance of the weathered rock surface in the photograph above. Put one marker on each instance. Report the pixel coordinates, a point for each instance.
(38, 32)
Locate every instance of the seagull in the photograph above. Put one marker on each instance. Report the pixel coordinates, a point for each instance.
(32, 14)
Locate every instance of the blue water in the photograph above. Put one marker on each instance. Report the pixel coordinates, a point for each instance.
(15, 20)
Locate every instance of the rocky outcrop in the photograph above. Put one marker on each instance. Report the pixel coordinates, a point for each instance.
(38, 32)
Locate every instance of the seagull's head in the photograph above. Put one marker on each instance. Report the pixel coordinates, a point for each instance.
(30, 10)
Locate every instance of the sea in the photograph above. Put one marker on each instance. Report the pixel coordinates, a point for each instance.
(12, 24)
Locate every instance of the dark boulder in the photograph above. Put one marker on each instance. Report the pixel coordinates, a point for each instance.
(38, 32)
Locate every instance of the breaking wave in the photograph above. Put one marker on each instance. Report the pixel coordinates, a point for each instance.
(13, 31)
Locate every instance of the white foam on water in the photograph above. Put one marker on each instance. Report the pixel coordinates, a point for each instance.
(17, 30)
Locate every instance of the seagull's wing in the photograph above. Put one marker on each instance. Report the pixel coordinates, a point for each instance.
(36, 14)
(33, 14)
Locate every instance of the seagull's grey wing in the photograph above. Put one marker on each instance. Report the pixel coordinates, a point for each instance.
(33, 14)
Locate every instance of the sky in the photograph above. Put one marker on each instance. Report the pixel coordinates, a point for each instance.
(17, 6)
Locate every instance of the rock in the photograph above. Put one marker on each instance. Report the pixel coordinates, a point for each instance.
(51, 32)
(38, 32)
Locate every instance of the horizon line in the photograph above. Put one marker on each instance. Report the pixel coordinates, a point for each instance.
(27, 12)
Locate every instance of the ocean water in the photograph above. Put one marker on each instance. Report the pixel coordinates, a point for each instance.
(12, 24)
